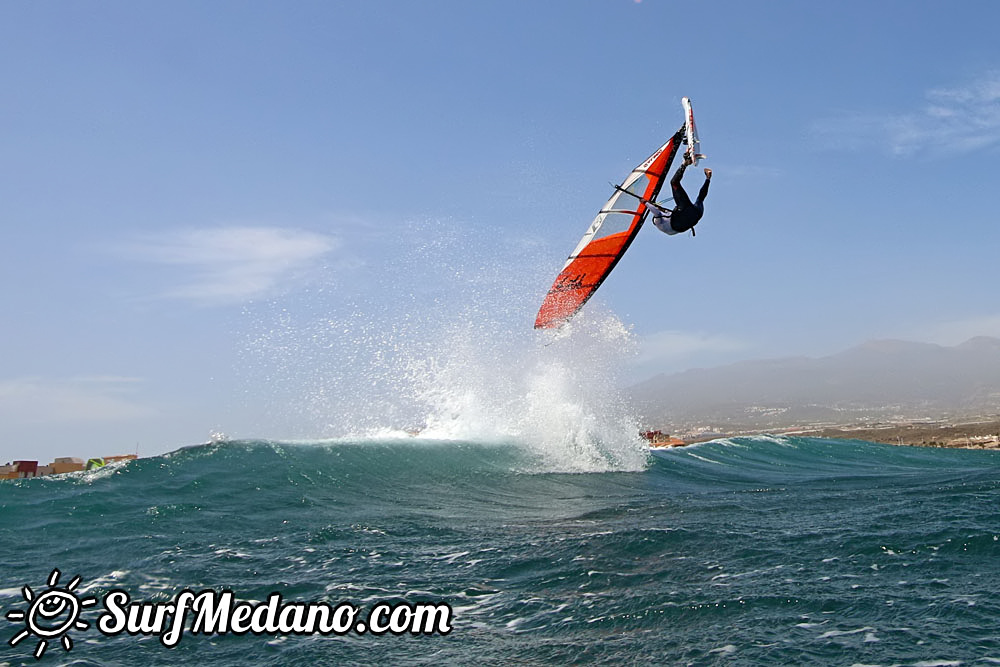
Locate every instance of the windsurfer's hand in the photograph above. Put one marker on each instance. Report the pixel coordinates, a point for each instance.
(708, 173)
(687, 159)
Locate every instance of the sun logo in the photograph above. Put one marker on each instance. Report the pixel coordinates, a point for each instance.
(51, 614)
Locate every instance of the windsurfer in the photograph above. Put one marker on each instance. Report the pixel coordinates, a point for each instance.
(685, 214)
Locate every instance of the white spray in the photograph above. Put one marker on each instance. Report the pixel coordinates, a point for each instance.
(451, 356)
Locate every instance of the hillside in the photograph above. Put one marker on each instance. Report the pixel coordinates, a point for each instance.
(876, 381)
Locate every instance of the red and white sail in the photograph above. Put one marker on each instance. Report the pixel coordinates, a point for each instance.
(608, 237)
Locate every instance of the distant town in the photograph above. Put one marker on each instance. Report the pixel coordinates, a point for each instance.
(60, 466)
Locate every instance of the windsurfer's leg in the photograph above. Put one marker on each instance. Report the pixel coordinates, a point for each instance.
(681, 198)
(704, 190)
(676, 179)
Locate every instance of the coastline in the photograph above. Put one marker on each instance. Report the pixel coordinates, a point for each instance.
(971, 433)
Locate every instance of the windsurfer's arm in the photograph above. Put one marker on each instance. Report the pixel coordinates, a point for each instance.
(661, 220)
(655, 208)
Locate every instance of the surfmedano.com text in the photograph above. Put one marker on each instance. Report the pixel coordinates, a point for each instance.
(217, 613)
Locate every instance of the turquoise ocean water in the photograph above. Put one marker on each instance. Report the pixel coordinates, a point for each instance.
(751, 551)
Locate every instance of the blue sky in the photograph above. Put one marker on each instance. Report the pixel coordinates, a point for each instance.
(207, 206)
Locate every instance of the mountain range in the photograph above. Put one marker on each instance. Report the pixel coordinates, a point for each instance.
(878, 380)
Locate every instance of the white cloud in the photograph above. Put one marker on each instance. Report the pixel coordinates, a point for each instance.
(34, 400)
(955, 120)
(233, 264)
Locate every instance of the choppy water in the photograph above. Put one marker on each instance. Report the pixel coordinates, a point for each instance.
(746, 551)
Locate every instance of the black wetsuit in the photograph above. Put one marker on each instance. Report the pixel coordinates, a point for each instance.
(686, 215)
